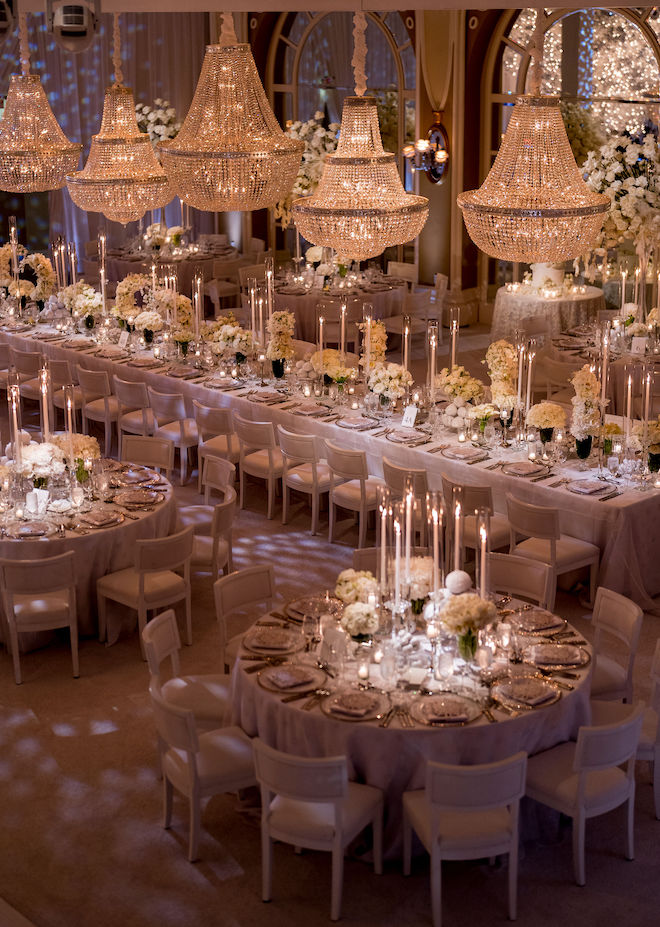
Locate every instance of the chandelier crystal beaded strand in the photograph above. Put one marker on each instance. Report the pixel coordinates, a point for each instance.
(230, 153)
(35, 154)
(534, 205)
(360, 207)
(122, 178)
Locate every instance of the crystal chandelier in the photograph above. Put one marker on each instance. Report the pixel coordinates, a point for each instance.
(360, 207)
(35, 154)
(230, 153)
(534, 205)
(122, 177)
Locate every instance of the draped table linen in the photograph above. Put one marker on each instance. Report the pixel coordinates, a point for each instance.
(512, 310)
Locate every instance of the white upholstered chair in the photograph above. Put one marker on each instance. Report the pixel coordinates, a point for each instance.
(216, 438)
(198, 765)
(309, 802)
(213, 552)
(617, 624)
(396, 477)
(466, 812)
(303, 472)
(99, 404)
(244, 589)
(473, 498)
(135, 414)
(259, 456)
(173, 423)
(149, 451)
(351, 487)
(407, 272)
(585, 779)
(521, 577)
(39, 595)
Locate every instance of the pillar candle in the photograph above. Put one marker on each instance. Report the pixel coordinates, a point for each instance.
(153, 277)
(342, 331)
(270, 282)
(397, 561)
(252, 291)
(321, 325)
(260, 306)
(433, 346)
(367, 346)
(530, 363)
(455, 324)
(603, 373)
(458, 540)
(73, 262)
(624, 274)
(102, 249)
(627, 422)
(406, 341)
(483, 555)
(14, 397)
(13, 240)
(647, 402)
(384, 507)
(103, 290)
(521, 366)
(44, 395)
(637, 286)
(410, 505)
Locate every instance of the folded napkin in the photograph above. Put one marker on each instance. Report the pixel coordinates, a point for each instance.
(145, 362)
(286, 677)
(355, 421)
(59, 505)
(31, 531)
(353, 704)
(587, 487)
(444, 708)
(526, 691)
(181, 371)
(565, 654)
(462, 452)
(266, 395)
(537, 619)
(311, 409)
(523, 468)
(99, 519)
(403, 435)
(271, 639)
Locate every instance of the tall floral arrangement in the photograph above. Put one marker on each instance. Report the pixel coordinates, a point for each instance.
(585, 419)
(229, 340)
(126, 307)
(81, 300)
(182, 329)
(582, 128)
(331, 364)
(38, 270)
(459, 384)
(6, 275)
(281, 326)
(319, 143)
(501, 359)
(158, 121)
(378, 343)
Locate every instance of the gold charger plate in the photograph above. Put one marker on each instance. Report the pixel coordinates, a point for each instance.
(138, 497)
(445, 709)
(273, 642)
(355, 705)
(314, 678)
(517, 692)
(541, 655)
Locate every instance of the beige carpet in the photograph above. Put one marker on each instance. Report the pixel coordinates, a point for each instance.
(81, 843)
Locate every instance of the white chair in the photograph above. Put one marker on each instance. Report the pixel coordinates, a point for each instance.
(617, 624)
(242, 590)
(153, 582)
(135, 414)
(217, 474)
(212, 238)
(157, 453)
(521, 577)
(476, 497)
(39, 595)
(584, 779)
(213, 552)
(27, 365)
(98, 403)
(62, 375)
(309, 802)
(258, 271)
(407, 272)
(545, 542)
(302, 472)
(207, 696)
(256, 249)
(174, 424)
(224, 284)
(259, 456)
(466, 812)
(198, 765)
(395, 478)
(215, 430)
(351, 487)
(419, 306)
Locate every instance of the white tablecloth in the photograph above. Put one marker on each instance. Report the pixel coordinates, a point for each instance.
(512, 309)
(118, 268)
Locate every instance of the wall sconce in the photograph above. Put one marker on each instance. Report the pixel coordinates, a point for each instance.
(430, 154)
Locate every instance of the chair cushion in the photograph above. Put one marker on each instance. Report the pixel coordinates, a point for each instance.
(552, 781)
(96, 409)
(569, 551)
(609, 677)
(58, 398)
(31, 389)
(476, 830)
(203, 551)
(124, 586)
(172, 431)
(207, 696)
(301, 477)
(303, 822)
(256, 463)
(49, 607)
(226, 446)
(224, 762)
(499, 533)
(348, 495)
(133, 422)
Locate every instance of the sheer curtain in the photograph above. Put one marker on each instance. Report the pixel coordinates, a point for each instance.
(162, 55)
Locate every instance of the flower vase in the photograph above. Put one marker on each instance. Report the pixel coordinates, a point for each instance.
(361, 638)
(654, 461)
(89, 321)
(467, 645)
(607, 446)
(183, 347)
(546, 435)
(583, 449)
(278, 368)
(148, 335)
(417, 605)
(240, 358)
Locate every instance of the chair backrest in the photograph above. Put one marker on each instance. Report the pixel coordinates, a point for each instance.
(224, 269)
(440, 282)
(609, 745)
(26, 363)
(93, 383)
(409, 272)
(148, 451)
(60, 373)
(553, 373)
(521, 576)
(212, 421)
(302, 349)
(242, 589)
(176, 726)
(254, 435)
(366, 558)
(608, 315)
(474, 497)
(534, 325)
(258, 271)
(218, 473)
(534, 521)
(169, 553)
(161, 640)
(297, 447)
(131, 394)
(395, 478)
(617, 616)
(36, 576)
(484, 786)
(256, 245)
(167, 407)
(346, 464)
(315, 779)
(223, 515)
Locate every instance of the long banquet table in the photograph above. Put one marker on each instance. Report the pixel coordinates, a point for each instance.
(626, 528)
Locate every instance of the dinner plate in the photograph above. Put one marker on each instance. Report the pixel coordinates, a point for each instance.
(315, 605)
(525, 692)
(182, 373)
(110, 465)
(273, 642)
(138, 497)
(129, 476)
(588, 487)
(523, 468)
(537, 621)
(403, 435)
(60, 506)
(101, 519)
(266, 395)
(444, 709)
(31, 529)
(111, 350)
(463, 452)
(355, 422)
(146, 362)
(550, 655)
(311, 409)
(291, 677)
(355, 705)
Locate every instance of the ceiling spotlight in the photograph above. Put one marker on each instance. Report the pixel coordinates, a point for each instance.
(6, 17)
(431, 154)
(73, 25)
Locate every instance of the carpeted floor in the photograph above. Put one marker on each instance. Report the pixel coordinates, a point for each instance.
(81, 843)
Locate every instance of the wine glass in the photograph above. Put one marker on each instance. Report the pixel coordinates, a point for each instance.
(310, 625)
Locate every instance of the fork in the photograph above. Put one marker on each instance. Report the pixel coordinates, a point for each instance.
(559, 483)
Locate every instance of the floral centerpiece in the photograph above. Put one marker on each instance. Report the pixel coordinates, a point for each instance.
(38, 270)
(360, 620)
(389, 381)
(158, 121)
(155, 236)
(355, 586)
(464, 615)
(149, 321)
(319, 142)
(378, 343)
(182, 331)
(83, 448)
(331, 364)
(420, 582)
(502, 361)
(653, 318)
(457, 383)
(125, 308)
(314, 256)
(6, 272)
(82, 301)
(608, 432)
(586, 409)
(482, 414)
(546, 416)
(230, 340)
(41, 461)
(280, 327)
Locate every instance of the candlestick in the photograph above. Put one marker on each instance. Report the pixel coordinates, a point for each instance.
(397, 560)
(409, 496)
(647, 401)
(457, 505)
(252, 292)
(101, 246)
(321, 326)
(260, 306)
(483, 525)
(44, 394)
(13, 240)
(367, 310)
(624, 274)
(153, 277)
(637, 286)
(627, 421)
(405, 336)
(298, 255)
(531, 354)
(103, 290)
(73, 262)
(455, 314)
(198, 286)
(603, 374)
(14, 401)
(342, 331)
(435, 515)
(270, 283)
(384, 510)
(521, 366)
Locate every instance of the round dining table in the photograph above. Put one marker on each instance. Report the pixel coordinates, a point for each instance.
(393, 758)
(513, 309)
(120, 266)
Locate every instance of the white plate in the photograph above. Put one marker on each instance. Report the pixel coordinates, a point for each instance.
(355, 705)
(525, 692)
(138, 497)
(101, 519)
(273, 641)
(282, 678)
(463, 452)
(523, 468)
(537, 621)
(30, 530)
(589, 487)
(444, 709)
(356, 422)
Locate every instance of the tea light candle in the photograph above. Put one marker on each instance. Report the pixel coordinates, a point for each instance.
(474, 436)
(351, 390)
(355, 405)
(234, 372)
(156, 352)
(531, 451)
(307, 390)
(432, 631)
(461, 436)
(378, 655)
(363, 668)
(18, 511)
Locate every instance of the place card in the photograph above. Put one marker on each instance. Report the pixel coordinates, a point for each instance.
(123, 339)
(638, 346)
(409, 416)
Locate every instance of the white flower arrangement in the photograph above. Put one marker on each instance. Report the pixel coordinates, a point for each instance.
(355, 586)
(652, 437)
(314, 255)
(500, 393)
(653, 318)
(637, 330)
(150, 320)
(331, 364)
(483, 412)
(230, 339)
(319, 143)
(466, 612)
(421, 577)
(154, 236)
(21, 289)
(159, 121)
(174, 234)
(585, 383)
(502, 360)
(281, 326)
(359, 619)
(40, 461)
(389, 380)
(43, 271)
(585, 418)
(84, 447)
(125, 306)
(459, 384)
(6, 273)
(81, 300)
(546, 415)
(377, 345)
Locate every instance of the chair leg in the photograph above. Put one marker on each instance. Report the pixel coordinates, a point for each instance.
(553, 592)
(362, 534)
(167, 802)
(407, 843)
(315, 512)
(271, 497)
(189, 616)
(183, 464)
(241, 486)
(73, 628)
(377, 828)
(513, 881)
(331, 519)
(436, 888)
(101, 607)
(13, 636)
(593, 578)
(630, 826)
(107, 446)
(266, 864)
(578, 849)
(285, 503)
(200, 462)
(195, 817)
(142, 623)
(337, 882)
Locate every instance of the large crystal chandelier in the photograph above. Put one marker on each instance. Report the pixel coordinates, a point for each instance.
(230, 153)
(534, 205)
(35, 154)
(360, 207)
(122, 178)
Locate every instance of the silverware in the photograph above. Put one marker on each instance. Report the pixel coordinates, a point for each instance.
(387, 718)
(316, 697)
(538, 479)
(611, 495)
(498, 463)
(295, 697)
(559, 483)
(488, 714)
(477, 460)
(436, 450)
(326, 669)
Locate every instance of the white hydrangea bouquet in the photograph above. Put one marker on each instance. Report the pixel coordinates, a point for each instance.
(360, 620)
(420, 582)
(281, 326)
(355, 586)
(41, 461)
(230, 340)
(458, 383)
(319, 143)
(546, 416)
(82, 301)
(150, 321)
(389, 381)
(158, 121)
(464, 615)
(84, 448)
(378, 343)
(585, 419)
(38, 267)
(331, 364)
